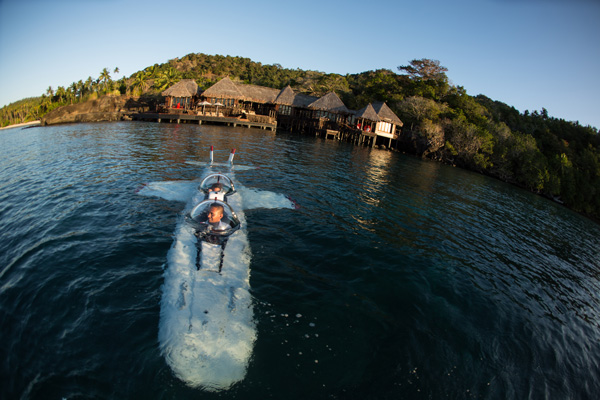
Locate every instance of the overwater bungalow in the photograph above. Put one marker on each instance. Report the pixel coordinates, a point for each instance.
(331, 107)
(237, 103)
(388, 121)
(292, 110)
(300, 112)
(377, 119)
(366, 117)
(287, 101)
(181, 97)
(238, 98)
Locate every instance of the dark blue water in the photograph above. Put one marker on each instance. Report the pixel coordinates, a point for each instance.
(397, 278)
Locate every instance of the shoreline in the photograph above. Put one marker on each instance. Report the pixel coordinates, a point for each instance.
(31, 123)
(554, 200)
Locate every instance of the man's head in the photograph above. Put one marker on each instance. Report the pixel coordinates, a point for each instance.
(216, 187)
(215, 213)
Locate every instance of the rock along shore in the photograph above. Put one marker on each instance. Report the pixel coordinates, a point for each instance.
(106, 108)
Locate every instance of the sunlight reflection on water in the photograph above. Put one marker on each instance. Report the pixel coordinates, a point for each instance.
(411, 279)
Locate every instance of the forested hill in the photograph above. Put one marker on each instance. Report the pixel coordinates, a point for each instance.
(549, 156)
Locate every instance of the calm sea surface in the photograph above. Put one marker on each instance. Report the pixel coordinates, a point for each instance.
(397, 278)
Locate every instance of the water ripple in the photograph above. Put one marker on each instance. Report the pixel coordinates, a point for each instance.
(396, 278)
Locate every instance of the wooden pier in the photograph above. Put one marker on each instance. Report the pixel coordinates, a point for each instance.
(253, 122)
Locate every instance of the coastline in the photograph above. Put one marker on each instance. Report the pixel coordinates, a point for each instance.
(30, 123)
(118, 116)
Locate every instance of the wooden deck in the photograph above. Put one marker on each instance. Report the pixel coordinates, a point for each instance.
(201, 119)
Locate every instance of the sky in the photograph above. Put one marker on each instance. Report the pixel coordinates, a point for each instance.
(530, 54)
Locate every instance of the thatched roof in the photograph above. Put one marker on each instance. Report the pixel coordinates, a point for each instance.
(289, 98)
(368, 112)
(258, 94)
(183, 88)
(225, 88)
(228, 89)
(330, 102)
(303, 100)
(286, 96)
(386, 114)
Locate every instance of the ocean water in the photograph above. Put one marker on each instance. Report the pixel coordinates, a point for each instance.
(396, 277)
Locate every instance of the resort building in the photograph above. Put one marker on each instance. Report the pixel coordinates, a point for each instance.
(238, 103)
(239, 97)
(181, 96)
(377, 119)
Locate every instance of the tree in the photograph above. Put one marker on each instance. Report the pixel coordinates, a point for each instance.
(153, 71)
(140, 82)
(472, 110)
(472, 145)
(105, 78)
(61, 93)
(425, 69)
(72, 92)
(166, 79)
(88, 85)
(80, 89)
(45, 103)
(416, 109)
(434, 134)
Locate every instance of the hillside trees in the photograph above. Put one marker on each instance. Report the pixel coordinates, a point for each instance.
(424, 69)
(32, 109)
(550, 156)
(371, 86)
(427, 78)
(166, 79)
(140, 83)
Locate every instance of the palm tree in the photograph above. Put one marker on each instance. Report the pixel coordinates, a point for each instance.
(61, 93)
(105, 78)
(46, 101)
(140, 82)
(167, 79)
(96, 85)
(50, 92)
(80, 89)
(152, 71)
(88, 85)
(72, 91)
(34, 113)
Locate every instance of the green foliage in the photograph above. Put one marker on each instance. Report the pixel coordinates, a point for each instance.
(415, 109)
(427, 78)
(166, 79)
(450, 149)
(472, 143)
(425, 69)
(24, 110)
(372, 86)
(105, 80)
(33, 109)
(550, 156)
(140, 82)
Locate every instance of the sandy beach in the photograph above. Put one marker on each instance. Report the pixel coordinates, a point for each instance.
(31, 123)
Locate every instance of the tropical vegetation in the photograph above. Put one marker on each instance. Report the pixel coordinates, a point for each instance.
(549, 156)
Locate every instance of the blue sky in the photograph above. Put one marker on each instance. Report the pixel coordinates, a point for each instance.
(526, 53)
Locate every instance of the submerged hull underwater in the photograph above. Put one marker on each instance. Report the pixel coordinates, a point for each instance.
(207, 329)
